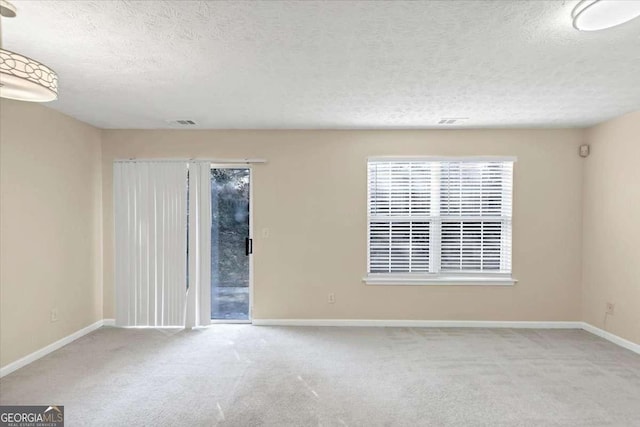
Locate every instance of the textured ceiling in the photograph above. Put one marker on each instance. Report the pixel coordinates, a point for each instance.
(329, 64)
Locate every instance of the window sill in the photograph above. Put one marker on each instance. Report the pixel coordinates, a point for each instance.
(399, 280)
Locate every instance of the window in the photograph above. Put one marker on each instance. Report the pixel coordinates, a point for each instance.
(439, 220)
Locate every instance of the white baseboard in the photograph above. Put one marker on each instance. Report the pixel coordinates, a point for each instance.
(611, 337)
(109, 322)
(7, 369)
(419, 323)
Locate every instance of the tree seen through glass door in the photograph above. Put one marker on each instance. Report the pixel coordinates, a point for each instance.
(229, 231)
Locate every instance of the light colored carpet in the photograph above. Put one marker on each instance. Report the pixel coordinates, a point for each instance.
(242, 375)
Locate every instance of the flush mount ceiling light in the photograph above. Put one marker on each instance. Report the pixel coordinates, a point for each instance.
(23, 78)
(593, 15)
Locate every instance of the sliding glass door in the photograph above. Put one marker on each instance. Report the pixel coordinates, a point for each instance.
(231, 244)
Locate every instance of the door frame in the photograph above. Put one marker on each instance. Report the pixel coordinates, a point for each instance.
(250, 168)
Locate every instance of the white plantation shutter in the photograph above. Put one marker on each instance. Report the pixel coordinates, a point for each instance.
(399, 217)
(440, 217)
(475, 216)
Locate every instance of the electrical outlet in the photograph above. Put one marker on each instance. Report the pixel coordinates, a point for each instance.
(331, 299)
(610, 307)
(54, 315)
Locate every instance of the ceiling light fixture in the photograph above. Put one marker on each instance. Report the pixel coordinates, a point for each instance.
(594, 15)
(23, 78)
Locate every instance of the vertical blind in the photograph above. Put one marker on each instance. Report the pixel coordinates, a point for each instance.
(150, 214)
(199, 295)
(440, 217)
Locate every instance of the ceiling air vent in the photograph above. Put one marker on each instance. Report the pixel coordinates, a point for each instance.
(452, 120)
(182, 122)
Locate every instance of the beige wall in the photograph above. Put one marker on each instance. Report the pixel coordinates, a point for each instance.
(611, 251)
(50, 225)
(312, 196)
(575, 221)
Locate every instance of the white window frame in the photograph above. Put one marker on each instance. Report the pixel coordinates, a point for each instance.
(436, 277)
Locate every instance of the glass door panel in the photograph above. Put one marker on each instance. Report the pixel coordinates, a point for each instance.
(231, 245)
